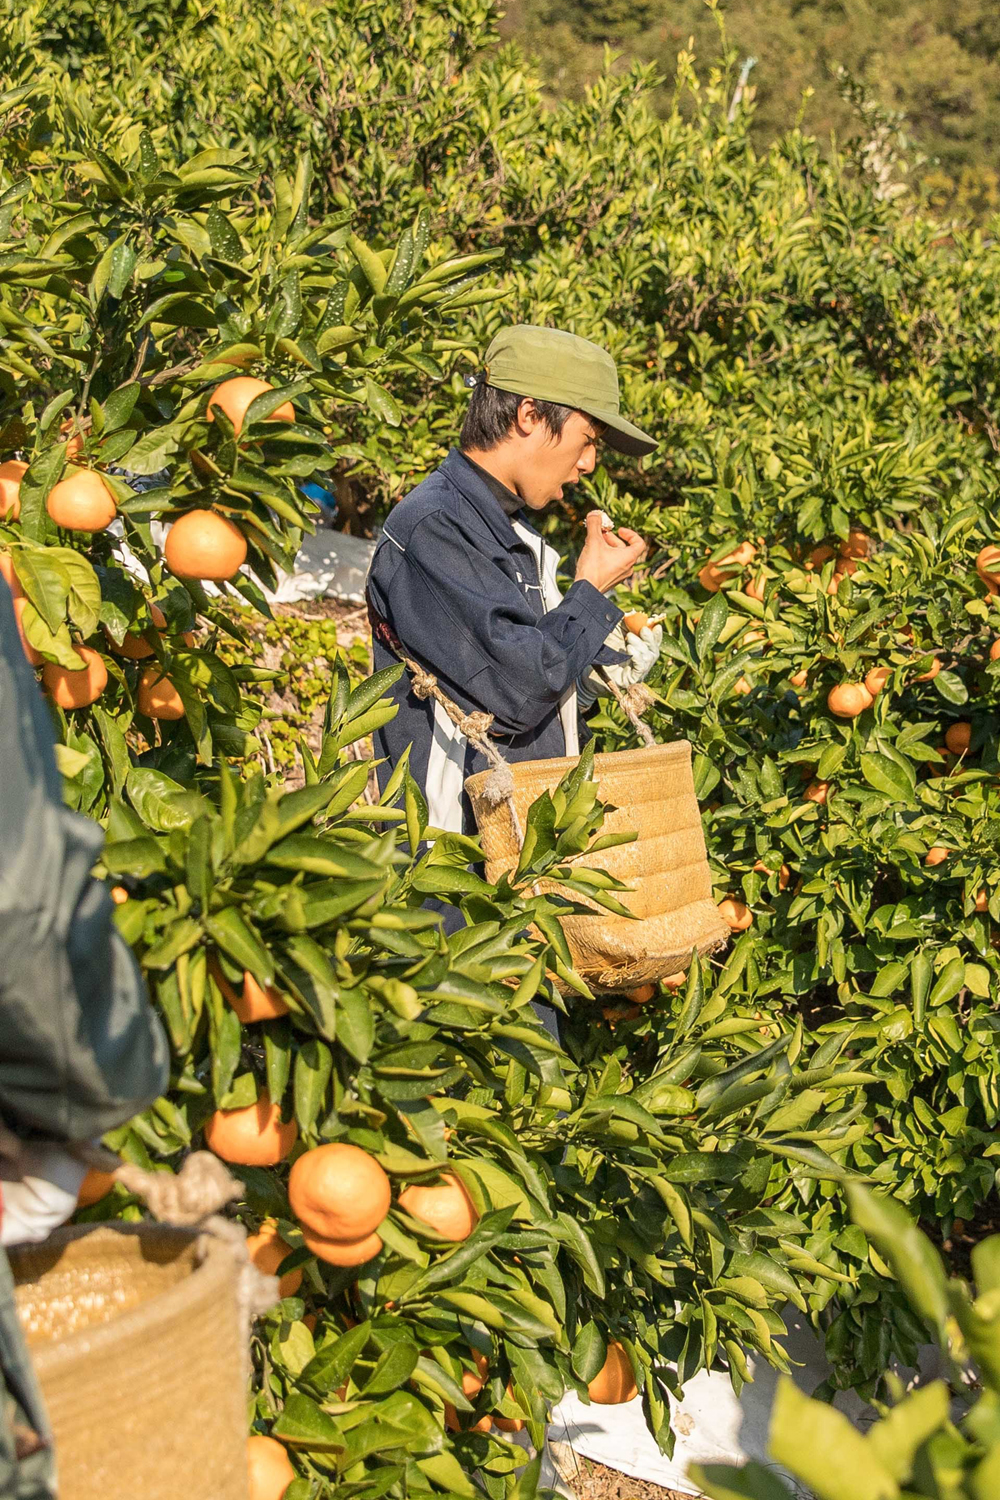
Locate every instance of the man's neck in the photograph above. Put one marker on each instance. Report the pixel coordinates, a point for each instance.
(497, 462)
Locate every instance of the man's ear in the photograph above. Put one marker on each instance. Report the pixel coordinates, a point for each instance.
(527, 415)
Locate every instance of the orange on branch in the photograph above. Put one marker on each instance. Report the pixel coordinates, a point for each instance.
(157, 697)
(849, 699)
(817, 792)
(876, 679)
(444, 1205)
(982, 899)
(81, 502)
(858, 544)
(235, 395)
(936, 856)
(675, 981)
(958, 737)
(988, 564)
(254, 1136)
(614, 1382)
(641, 995)
(267, 1250)
(931, 672)
(342, 1252)
(256, 1002)
(799, 679)
(81, 687)
(11, 474)
(270, 1468)
(737, 916)
(339, 1192)
(995, 651)
(202, 544)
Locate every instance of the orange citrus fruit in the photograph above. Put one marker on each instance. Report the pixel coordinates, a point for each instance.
(817, 791)
(876, 679)
(642, 994)
(119, 895)
(255, 1002)
(982, 899)
(936, 856)
(444, 1205)
(674, 981)
(958, 738)
(81, 502)
(157, 697)
(342, 1252)
(735, 914)
(270, 1468)
(267, 1250)
(636, 622)
(339, 1192)
(995, 650)
(614, 1382)
(203, 544)
(253, 1136)
(742, 686)
(818, 556)
(235, 395)
(931, 672)
(80, 687)
(849, 699)
(858, 544)
(988, 564)
(95, 1186)
(11, 474)
(799, 679)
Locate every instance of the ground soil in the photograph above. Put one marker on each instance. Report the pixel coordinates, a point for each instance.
(593, 1481)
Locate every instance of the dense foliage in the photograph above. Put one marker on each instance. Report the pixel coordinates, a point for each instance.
(819, 362)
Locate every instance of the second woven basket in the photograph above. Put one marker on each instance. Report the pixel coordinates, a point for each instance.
(652, 792)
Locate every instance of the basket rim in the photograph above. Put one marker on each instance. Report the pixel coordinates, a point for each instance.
(604, 763)
(207, 1277)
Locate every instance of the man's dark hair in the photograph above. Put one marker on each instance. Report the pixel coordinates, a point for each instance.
(493, 413)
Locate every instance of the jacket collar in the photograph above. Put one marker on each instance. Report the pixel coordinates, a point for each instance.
(469, 485)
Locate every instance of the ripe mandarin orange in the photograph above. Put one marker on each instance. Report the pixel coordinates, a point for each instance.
(876, 679)
(735, 914)
(849, 699)
(254, 1136)
(818, 557)
(235, 395)
(444, 1205)
(958, 737)
(931, 672)
(614, 1382)
(78, 688)
(858, 544)
(342, 1252)
(636, 622)
(267, 1250)
(982, 899)
(270, 1468)
(995, 651)
(11, 474)
(817, 791)
(674, 981)
(81, 502)
(935, 856)
(157, 697)
(642, 994)
(255, 1003)
(799, 679)
(95, 1186)
(339, 1192)
(202, 544)
(988, 564)
(742, 686)
(119, 895)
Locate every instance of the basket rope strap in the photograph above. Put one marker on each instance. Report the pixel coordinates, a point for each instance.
(633, 702)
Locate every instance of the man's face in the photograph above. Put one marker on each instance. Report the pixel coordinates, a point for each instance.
(549, 464)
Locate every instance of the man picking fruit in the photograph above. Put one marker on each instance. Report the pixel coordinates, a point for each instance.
(461, 582)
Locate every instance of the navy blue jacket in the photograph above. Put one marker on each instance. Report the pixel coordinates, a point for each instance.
(453, 581)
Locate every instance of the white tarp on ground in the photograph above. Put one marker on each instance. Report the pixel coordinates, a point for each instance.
(330, 564)
(712, 1424)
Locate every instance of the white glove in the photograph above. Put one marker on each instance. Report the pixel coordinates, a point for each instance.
(643, 651)
(39, 1194)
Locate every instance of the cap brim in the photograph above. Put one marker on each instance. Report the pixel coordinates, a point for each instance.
(623, 436)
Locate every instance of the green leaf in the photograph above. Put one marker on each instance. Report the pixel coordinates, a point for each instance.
(886, 776)
(711, 625)
(335, 1360)
(304, 1424)
(819, 1445)
(589, 1352)
(912, 1257)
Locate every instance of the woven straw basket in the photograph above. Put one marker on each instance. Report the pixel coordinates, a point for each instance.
(652, 791)
(136, 1339)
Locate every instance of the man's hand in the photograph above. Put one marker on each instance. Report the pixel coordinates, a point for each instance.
(608, 558)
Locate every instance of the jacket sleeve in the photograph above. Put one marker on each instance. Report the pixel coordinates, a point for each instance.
(81, 1050)
(464, 618)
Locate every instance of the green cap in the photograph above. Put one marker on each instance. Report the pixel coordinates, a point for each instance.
(555, 366)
